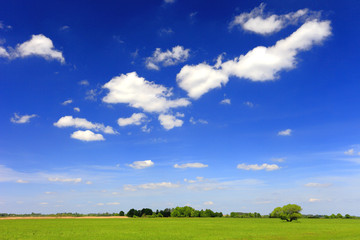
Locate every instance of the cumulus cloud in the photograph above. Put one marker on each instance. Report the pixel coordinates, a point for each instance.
(71, 180)
(201, 121)
(69, 121)
(151, 186)
(191, 165)
(140, 93)
(141, 164)
(4, 53)
(261, 23)
(286, 132)
(208, 203)
(226, 101)
(256, 167)
(169, 121)
(259, 64)
(198, 179)
(314, 200)
(76, 109)
(38, 45)
(67, 102)
(168, 58)
(87, 136)
(135, 119)
(84, 82)
(22, 119)
(318, 185)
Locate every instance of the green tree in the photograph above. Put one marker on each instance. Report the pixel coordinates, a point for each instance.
(339, 215)
(121, 213)
(288, 212)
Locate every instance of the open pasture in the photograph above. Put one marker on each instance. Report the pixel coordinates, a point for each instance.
(178, 228)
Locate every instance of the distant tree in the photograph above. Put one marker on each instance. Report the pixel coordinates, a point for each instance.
(288, 212)
(347, 216)
(131, 213)
(339, 215)
(121, 213)
(332, 216)
(146, 212)
(166, 212)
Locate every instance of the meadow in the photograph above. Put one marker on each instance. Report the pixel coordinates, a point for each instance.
(179, 228)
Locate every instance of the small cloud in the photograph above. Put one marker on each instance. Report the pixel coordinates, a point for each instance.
(89, 182)
(191, 165)
(113, 203)
(76, 109)
(64, 28)
(48, 193)
(208, 203)
(318, 185)
(169, 1)
(226, 101)
(22, 119)
(145, 129)
(150, 186)
(141, 164)
(286, 132)
(350, 152)
(249, 104)
(168, 58)
(22, 181)
(169, 121)
(256, 167)
(118, 39)
(44, 203)
(70, 121)
(92, 94)
(87, 136)
(71, 180)
(84, 82)
(135, 119)
(100, 204)
(165, 31)
(67, 102)
(314, 200)
(201, 121)
(278, 160)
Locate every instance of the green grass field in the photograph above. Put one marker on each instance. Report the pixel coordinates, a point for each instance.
(179, 228)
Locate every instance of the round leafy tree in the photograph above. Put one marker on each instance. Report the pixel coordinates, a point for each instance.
(288, 212)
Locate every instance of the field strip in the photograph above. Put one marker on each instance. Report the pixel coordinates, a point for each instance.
(85, 217)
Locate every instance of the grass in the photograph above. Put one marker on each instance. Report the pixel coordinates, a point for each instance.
(179, 228)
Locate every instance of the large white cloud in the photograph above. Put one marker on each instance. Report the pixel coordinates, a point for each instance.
(168, 58)
(140, 93)
(22, 119)
(141, 164)
(259, 64)
(258, 22)
(69, 121)
(39, 45)
(191, 165)
(256, 167)
(135, 119)
(87, 136)
(169, 121)
(150, 186)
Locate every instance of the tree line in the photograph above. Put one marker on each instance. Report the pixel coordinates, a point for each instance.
(174, 212)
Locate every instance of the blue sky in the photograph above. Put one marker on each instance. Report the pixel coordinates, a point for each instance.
(228, 105)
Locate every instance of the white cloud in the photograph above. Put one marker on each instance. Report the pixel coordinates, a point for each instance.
(48, 193)
(145, 129)
(135, 119)
(140, 93)
(67, 102)
(191, 165)
(84, 82)
(256, 167)
(208, 203)
(141, 164)
(87, 136)
(199, 79)
(150, 186)
(168, 58)
(318, 185)
(71, 180)
(350, 152)
(165, 31)
(22, 119)
(278, 159)
(76, 109)
(314, 200)
(286, 132)
(44, 203)
(198, 179)
(64, 28)
(169, 121)
(169, 1)
(4, 53)
(249, 104)
(100, 204)
(39, 45)
(258, 22)
(22, 181)
(225, 101)
(259, 64)
(69, 121)
(193, 121)
(113, 203)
